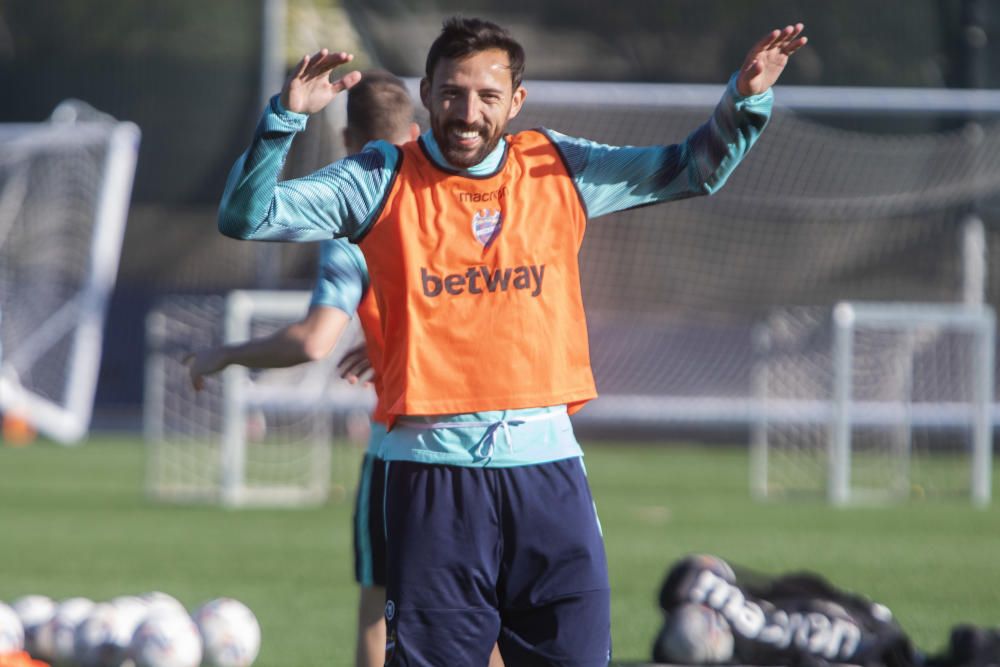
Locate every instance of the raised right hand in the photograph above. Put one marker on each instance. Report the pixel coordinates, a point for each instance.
(309, 88)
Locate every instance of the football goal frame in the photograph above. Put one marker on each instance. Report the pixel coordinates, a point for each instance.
(843, 413)
(251, 437)
(54, 306)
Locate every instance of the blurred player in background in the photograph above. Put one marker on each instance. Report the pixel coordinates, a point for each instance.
(472, 237)
(378, 108)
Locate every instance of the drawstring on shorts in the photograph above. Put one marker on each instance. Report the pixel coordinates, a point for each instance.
(488, 443)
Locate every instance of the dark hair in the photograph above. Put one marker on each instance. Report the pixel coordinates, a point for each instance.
(461, 37)
(378, 107)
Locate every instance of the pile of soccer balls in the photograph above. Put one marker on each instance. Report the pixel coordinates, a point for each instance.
(149, 630)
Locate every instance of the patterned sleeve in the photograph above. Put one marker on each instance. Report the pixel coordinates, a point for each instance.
(338, 200)
(343, 276)
(615, 178)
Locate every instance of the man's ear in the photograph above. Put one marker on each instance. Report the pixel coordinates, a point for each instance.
(517, 101)
(414, 131)
(350, 144)
(425, 93)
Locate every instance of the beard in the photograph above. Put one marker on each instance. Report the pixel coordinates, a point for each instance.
(461, 156)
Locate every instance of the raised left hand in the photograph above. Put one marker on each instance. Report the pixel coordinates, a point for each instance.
(767, 59)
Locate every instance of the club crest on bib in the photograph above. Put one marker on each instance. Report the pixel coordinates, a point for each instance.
(486, 224)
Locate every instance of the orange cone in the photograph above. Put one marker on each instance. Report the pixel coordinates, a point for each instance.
(17, 431)
(20, 659)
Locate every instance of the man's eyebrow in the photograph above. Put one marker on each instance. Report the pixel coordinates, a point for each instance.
(455, 86)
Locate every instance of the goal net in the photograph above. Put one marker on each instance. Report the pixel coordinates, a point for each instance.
(65, 187)
(251, 437)
(828, 206)
(872, 195)
(849, 196)
(874, 402)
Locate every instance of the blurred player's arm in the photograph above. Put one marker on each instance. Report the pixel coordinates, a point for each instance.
(341, 281)
(309, 339)
(615, 178)
(338, 200)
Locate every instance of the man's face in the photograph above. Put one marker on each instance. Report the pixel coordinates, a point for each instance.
(470, 102)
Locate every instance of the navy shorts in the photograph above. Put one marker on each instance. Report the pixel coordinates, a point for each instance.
(507, 555)
(369, 524)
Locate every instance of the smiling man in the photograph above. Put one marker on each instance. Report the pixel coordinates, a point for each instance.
(471, 236)
(471, 105)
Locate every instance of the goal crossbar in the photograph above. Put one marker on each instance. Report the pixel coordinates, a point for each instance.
(837, 99)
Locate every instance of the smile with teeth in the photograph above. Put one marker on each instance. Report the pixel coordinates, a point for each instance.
(465, 136)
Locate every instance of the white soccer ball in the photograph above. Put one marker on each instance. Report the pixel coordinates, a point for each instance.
(166, 639)
(34, 612)
(132, 606)
(55, 639)
(694, 634)
(11, 630)
(230, 632)
(103, 638)
(157, 601)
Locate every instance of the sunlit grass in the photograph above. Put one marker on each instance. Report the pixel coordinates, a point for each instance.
(76, 522)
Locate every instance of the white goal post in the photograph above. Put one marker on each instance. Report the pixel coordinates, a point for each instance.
(65, 187)
(251, 437)
(873, 401)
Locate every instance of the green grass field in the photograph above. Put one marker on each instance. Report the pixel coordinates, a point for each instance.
(75, 522)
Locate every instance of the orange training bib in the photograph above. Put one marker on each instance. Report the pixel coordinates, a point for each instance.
(478, 285)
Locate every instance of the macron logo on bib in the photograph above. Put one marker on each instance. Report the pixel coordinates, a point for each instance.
(481, 280)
